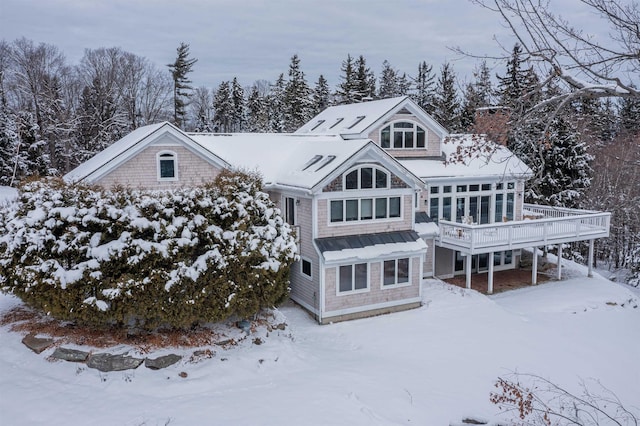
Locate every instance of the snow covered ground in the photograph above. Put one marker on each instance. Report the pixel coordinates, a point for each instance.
(430, 366)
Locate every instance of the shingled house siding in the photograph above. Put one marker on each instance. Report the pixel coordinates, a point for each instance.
(433, 141)
(141, 171)
(376, 294)
(305, 289)
(325, 229)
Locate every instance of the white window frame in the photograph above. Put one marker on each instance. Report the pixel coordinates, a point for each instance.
(294, 216)
(344, 220)
(391, 127)
(306, 259)
(396, 284)
(353, 277)
(159, 158)
(373, 178)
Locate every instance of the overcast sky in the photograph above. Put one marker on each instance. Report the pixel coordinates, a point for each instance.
(255, 39)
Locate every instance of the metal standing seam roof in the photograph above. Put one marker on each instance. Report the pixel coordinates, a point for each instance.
(367, 240)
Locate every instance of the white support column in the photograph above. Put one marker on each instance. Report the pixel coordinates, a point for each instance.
(490, 277)
(534, 267)
(559, 262)
(590, 260)
(468, 270)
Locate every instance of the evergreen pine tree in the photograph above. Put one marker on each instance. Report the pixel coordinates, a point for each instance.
(423, 88)
(182, 66)
(511, 86)
(237, 98)
(11, 168)
(346, 91)
(478, 94)
(276, 105)
(223, 108)
(365, 81)
(321, 96)
(297, 98)
(257, 111)
(389, 82)
(630, 116)
(446, 110)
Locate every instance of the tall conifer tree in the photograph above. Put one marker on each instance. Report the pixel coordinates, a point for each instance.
(182, 89)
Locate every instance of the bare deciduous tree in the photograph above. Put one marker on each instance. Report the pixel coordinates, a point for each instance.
(590, 66)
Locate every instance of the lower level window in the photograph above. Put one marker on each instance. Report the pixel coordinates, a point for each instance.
(306, 267)
(396, 271)
(353, 277)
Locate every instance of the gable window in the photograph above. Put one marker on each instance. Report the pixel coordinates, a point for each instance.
(353, 277)
(395, 271)
(167, 166)
(403, 135)
(366, 178)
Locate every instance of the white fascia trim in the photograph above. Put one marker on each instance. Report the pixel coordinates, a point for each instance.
(365, 308)
(364, 193)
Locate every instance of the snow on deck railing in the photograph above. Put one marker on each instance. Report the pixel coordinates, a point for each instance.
(524, 233)
(550, 211)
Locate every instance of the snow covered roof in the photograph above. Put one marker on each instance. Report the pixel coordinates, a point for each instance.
(483, 158)
(369, 246)
(357, 119)
(300, 161)
(123, 149)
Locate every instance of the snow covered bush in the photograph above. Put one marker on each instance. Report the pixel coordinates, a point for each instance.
(633, 278)
(146, 259)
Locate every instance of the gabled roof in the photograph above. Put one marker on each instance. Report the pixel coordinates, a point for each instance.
(356, 120)
(122, 150)
(483, 159)
(297, 161)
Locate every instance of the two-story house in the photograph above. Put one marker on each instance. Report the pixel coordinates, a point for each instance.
(374, 194)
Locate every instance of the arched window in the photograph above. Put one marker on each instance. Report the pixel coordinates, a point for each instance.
(167, 166)
(367, 177)
(403, 135)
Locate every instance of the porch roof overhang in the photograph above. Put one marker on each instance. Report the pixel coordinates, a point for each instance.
(568, 226)
(353, 248)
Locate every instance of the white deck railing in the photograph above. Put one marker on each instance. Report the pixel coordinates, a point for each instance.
(555, 226)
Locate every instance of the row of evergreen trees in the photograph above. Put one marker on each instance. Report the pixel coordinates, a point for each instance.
(54, 115)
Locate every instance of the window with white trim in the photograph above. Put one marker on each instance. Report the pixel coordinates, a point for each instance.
(167, 166)
(290, 210)
(305, 267)
(403, 135)
(365, 209)
(395, 271)
(353, 277)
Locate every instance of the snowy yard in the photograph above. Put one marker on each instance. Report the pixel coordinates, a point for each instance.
(429, 366)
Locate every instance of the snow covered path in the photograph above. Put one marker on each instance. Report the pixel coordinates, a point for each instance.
(430, 366)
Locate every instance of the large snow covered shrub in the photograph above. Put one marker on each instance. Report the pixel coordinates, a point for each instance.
(146, 259)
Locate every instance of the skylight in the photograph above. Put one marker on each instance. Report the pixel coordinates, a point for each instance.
(313, 161)
(326, 161)
(317, 125)
(337, 122)
(358, 119)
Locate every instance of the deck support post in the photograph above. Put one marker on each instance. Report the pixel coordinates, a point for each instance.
(559, 262)
(468, 270)
(590, 260)
(490, 277)
(534, 267)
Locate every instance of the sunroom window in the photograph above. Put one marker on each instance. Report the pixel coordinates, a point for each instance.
(403, 135)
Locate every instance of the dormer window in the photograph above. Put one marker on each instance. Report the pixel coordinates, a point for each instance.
(167, 166)
(403, 135)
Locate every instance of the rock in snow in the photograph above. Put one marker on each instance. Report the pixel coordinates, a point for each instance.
(162, 362)
(37, 344)
(71, 355)
(109, 362)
